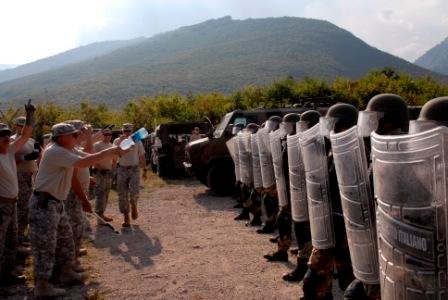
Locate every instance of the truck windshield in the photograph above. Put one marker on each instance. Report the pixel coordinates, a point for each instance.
(222, 126)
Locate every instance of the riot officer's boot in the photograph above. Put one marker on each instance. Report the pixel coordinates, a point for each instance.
(299, 272)
(280, 255)
(275, 239)
(269, 227)
(44, 290)
(256, 221)
(70, 277)
(244, 215)
(314, 286)
(355, 291)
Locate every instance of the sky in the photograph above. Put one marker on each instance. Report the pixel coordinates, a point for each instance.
(35, 29)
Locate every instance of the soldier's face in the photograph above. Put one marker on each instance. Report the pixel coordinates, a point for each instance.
(127, 132)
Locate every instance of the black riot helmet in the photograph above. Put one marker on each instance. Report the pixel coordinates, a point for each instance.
(252, 127)
(289, 121)
(273, 122)
(237, 128)
(307, 120)
(384, 114)
(433, 114)
(339, 117)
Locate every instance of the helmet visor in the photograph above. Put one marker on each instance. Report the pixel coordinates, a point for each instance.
(368, 121)
(417, 126)
(326, 125)
(302, 126)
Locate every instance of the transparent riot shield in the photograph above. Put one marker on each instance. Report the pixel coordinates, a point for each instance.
(256, 170)
(297, 182)
(357, 203)
(277, 161)
(320, 211)
(233, 147)
(410, 180)
(245, 150)
(264, 148)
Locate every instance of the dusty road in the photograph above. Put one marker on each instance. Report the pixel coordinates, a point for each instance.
(184, 245)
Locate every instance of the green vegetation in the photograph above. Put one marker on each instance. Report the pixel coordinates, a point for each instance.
(221, 55)
(150, 111)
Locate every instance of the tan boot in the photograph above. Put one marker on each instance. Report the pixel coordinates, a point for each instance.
(44, 290)
(70, 277)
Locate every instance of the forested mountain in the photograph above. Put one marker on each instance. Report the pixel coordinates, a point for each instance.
(436, 58)
(69, 57)
(216, 55)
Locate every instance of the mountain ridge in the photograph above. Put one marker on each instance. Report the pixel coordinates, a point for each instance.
(436, 58)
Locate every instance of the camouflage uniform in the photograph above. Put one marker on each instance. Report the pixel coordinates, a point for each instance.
(51, 236)
(102, 190)
(8, 235)
(25, 192)
(73, 208)
(128, 180)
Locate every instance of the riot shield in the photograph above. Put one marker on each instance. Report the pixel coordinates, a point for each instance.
(264, 148)
(357, 203)
(297, 182)
(245, 158)
(320, 211)
(256, 170)
(233, 146)
(410, 180)
(277, 161)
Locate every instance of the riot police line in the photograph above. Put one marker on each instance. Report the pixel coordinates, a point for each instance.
(364, 193)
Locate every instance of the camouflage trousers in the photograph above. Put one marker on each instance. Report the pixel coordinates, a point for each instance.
(302, 232)
(51, 236)
(284, 222)
(128, 185)
(269, 204)
(73, 208)
(25, 192)
(8, 236)
(102, 190)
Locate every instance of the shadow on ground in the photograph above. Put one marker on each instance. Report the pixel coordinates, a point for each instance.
(133, 245)
(211, 202)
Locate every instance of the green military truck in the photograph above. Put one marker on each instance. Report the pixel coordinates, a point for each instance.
(209, 159)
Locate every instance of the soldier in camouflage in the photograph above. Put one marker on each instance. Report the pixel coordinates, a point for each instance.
(103, 171)
(128, 176)
(26, 160)
(9, 191)
(50, 231)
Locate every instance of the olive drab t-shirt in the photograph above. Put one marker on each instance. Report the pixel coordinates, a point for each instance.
(55, 171)
(28, 166)
(132, 157)
(9, 185)
(107, 163)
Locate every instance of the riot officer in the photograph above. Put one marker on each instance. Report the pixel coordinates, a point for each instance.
(269, 198)
(299, 202)
(280, 161)
(235, 150)
(246, 174)
(330, 248)
(410, 173)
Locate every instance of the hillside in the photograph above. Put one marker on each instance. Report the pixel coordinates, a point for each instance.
(436, 58)
(6, 66)
(216, 55)
(60, 60)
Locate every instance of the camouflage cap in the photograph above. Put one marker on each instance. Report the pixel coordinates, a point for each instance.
(78, 124)
(128, 126)
(21, 121)
(4, 128)
(63, 129)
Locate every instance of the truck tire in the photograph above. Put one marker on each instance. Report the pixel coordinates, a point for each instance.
(221, 179)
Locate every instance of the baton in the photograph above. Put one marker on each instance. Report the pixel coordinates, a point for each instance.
(106, 223)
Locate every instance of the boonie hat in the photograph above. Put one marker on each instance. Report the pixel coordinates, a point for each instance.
(128, 126)
(5, 128)
(21, 121)
(63, 129)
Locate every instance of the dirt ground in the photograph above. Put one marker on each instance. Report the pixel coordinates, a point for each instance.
(184, 245)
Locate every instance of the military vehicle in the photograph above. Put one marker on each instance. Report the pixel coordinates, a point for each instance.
(166, 146)
(209, 159)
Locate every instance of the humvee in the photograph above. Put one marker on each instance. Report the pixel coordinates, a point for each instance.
(209, 159)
